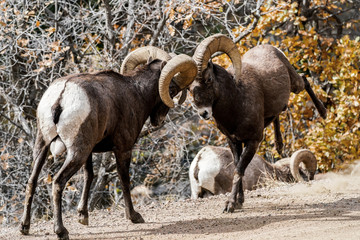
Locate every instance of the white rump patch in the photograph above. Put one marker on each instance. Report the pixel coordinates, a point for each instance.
(75, 109)
(209, 168)
(194, 185)
(44, 114)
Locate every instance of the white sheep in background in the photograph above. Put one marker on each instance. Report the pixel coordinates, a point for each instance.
(212, 170)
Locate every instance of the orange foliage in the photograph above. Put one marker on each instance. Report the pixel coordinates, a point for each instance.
(332, 66)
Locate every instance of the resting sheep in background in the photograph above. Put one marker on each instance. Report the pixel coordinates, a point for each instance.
(99, 112)
(245, 102)
(213, 167)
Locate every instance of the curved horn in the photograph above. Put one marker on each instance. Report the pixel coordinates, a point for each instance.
(213, 44)
(182, 64)
(140, 56)
(309, 160)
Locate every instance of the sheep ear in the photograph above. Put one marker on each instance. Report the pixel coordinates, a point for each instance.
(156, 65)
(210, 64)
(208, 74)
(162, 65)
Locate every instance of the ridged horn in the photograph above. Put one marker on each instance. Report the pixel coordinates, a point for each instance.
(307, 157)
(140, 56)
(213, 44)
(182, 64)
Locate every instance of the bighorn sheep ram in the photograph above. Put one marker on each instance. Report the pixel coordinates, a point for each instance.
(244, 103)
(212, 170)
(98, 112)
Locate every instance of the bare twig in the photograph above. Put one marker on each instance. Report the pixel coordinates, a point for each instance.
(18, 111)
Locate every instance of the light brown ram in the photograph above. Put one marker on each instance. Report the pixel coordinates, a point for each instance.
(99, 112)
(212, 170)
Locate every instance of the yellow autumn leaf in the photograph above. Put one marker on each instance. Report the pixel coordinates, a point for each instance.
(71, 188)
(171, 30)
(4, 156)
(5, 165)
(48, 180)
(50, 29)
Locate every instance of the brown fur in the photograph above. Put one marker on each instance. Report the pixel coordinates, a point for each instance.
(243, 108)
(223, 181)
(120, 106)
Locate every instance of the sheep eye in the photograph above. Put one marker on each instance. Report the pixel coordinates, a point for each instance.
(197, 98)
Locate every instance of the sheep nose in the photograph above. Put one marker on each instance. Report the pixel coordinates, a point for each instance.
(205, 115)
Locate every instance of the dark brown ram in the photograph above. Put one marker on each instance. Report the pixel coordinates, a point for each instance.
(99, 112)
(245, 102)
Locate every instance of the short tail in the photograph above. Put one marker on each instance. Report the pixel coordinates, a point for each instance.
(57, 146)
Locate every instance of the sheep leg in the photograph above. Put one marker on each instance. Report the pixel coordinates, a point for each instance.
(75, 159)
(236, 197)
(236, 150)
(123, 165)
(39, 156)
(278, 138)
(232, 203)
(318, 104)
(83, 205)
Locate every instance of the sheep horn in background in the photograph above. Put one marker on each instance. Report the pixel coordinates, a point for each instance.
(140, 56)
(182, 64)
(307, 157)
(213, 44)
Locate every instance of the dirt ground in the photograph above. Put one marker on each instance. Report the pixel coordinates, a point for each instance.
(323, 209)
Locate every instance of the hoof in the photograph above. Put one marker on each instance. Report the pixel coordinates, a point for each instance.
(137, 218)
(229, 207)
(83, 218)
(24, 229)
(63, 234)
(84, 221)
(238, 205)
